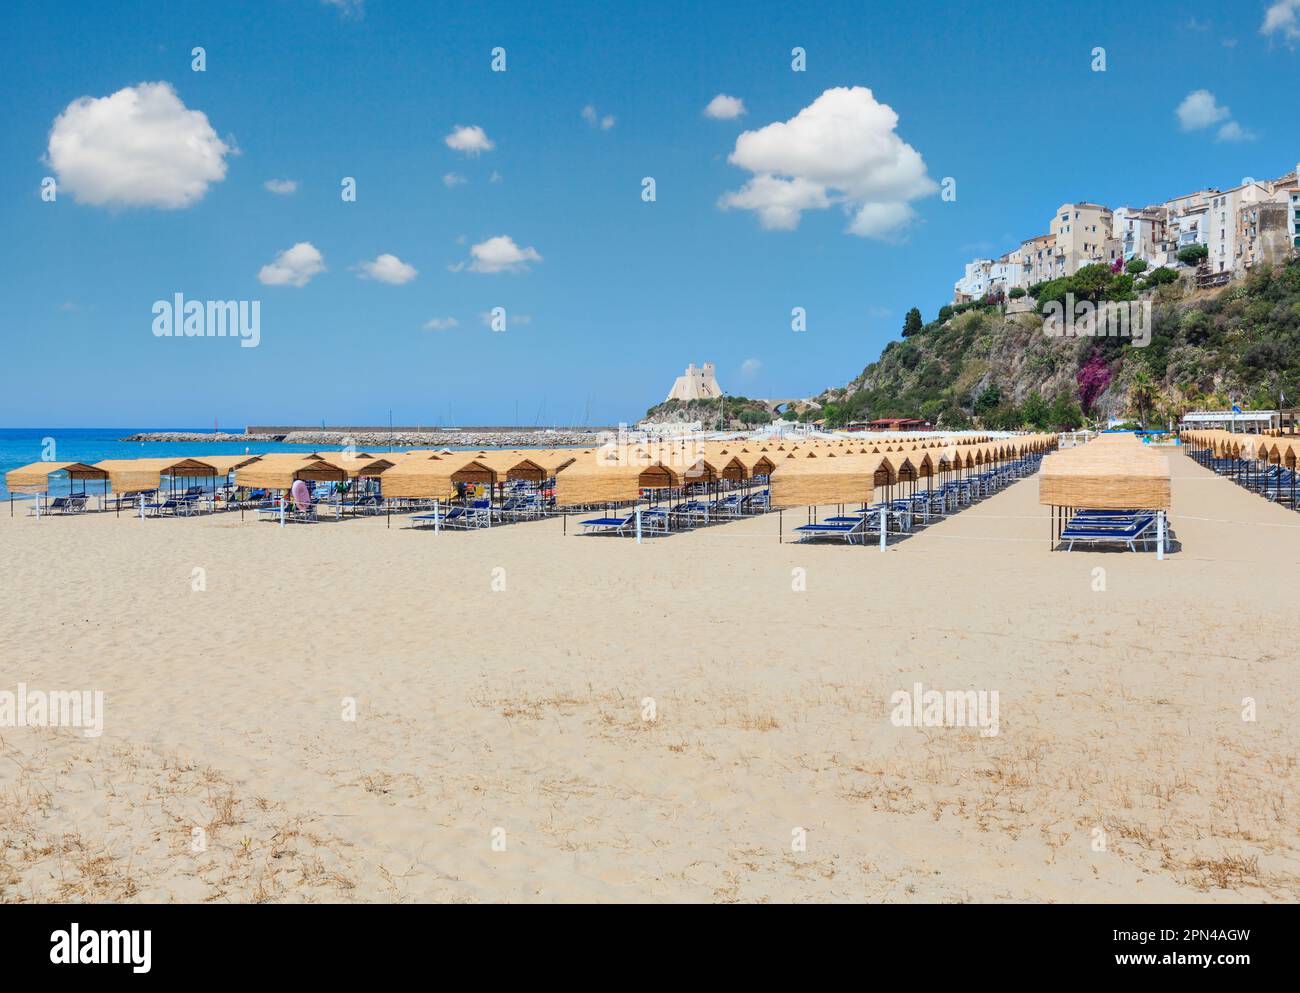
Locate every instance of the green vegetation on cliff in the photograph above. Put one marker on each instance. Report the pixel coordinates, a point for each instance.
(978, 365)
(727, 412)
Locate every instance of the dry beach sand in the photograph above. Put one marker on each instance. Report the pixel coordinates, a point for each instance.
(512, 718)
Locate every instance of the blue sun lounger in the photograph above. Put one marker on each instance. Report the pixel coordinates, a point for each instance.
(1128, 530)
(847, 528)
(608, 525)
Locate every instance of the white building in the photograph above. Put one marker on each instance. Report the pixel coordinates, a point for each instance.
(974, 285)
(1293, 195)
(1142, 233)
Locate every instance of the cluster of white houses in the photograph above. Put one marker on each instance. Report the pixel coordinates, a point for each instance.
(1256, 223)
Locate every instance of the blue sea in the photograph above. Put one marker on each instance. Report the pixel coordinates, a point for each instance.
(20, 446)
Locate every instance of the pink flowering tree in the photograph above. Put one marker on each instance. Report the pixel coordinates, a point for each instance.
(1093, 378)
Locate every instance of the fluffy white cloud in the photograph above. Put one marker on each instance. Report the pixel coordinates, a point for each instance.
(724, 108)
(388, 269)
(139, 147)
(1282, 17)
(779, 202)
(293, 267)
(282, 186)
(470, 139)
(840, 149)
(442, 324)
(590, 115)
(1200, 109)
(1232, 131)
(501, 254)
(749, 368)
(453, 179)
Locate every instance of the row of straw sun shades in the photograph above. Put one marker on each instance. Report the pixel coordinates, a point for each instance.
(1277, 450)
(801, 474)
(1111, 472)
(590, 475)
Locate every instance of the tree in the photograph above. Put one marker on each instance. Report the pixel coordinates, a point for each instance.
(1158, 277)
(1193, 254)
(1093, 377)
(1091, 281)
(1141, 393)
(1034, 411)
(1065, 414)
(1136, 267)
(1016, 293)
(988, 399)
(954, 419)
(945, 312)
(912, 324)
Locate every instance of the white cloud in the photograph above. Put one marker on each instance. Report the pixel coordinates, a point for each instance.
(840, 149)
(779, 202)
(442, 324)
(749, 368)
(1200, 109)
(470, 139)
(501, 254)
(453, 179)
(596, 120)
(1232, 131)
(1284, 17)
(282, 186)
(139, 147)
(495, 177)
(294, 266)
(389, 269)
(724, 108)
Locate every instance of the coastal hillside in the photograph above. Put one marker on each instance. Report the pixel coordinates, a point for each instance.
(977, 364)
(714, 413)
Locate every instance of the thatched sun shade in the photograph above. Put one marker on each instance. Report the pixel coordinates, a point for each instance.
(847, 479)
(138, 475)
(278, 471)
(226, 464)
(35, 478)
(1106, 477)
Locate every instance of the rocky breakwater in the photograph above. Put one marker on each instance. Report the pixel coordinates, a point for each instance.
(518, 438)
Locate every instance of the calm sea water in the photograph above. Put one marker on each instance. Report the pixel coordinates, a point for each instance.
(19, 446)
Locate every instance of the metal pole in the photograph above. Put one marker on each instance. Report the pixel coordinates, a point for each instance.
(1160, 535)
(884, 525)
(638, 525)
(437, 516)
(281, 510)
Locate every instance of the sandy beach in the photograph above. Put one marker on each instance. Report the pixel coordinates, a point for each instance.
(502, 680)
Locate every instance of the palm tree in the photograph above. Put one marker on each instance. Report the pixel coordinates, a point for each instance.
(1141, 393)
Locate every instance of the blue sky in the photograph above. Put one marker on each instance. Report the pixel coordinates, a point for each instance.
(622, 293)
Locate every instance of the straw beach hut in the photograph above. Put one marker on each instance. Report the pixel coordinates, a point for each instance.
(35, 478)
(142, 475)
(1106, 477)
(846, 479)
(278, 470)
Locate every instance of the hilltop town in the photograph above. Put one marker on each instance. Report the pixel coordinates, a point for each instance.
(1223, 234)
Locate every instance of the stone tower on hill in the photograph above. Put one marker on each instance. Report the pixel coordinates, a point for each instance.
(696, 384)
